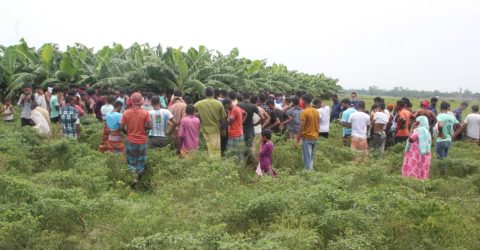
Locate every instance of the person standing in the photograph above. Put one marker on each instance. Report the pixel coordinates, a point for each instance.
(346, 131)
(403, 121)
(418, 155)
(265, 154)
(115, 138)
(425, 111)
(359, 122)
(336, 108)
(69, 119)
(178, 109)
(162, 119)
(380, 120)
(458, 114)
(248, 130)
(293, 119)
(236, 117)
(54, 106)
(136, 122)
(472, 126)
(433, 105)
(104, 110)
(354, 101)
(40, 98)
(211, 113)
(324, 112)
(8, 111)
(309, 126)
(25, 103)
(446, 125)
(189, 131)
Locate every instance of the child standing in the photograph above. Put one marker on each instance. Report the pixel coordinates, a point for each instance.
(265, 155)
(189, 131)
(8, 111)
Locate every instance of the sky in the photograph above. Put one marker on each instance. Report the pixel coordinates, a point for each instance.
(417, 44)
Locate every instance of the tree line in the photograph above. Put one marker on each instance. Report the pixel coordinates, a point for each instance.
(403, 92)
(150, 68)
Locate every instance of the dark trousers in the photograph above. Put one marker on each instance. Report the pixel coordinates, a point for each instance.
(26, 122)
(323, 134)
(248, 136)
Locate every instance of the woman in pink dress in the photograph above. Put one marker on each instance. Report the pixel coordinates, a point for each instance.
(418, 151)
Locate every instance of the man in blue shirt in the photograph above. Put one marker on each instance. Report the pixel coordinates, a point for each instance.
(346, 131)
(433, 105)
(336, 108)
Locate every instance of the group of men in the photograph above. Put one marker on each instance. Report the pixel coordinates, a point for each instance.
(230, 121)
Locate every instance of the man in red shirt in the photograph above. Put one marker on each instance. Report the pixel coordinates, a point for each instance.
(404, 120)
(135, 123)
(235, 119)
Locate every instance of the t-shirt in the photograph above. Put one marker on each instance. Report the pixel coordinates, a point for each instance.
(381, 118)
(159, 117)
(251, 109)
(53, 104)
(40, 99)
(458, 114)
(404, 129)
(235, 129)
(324, 119)
(360, 122)
(473, 125)
(345, 116)
(113, 120)
(448, 122)
(294, 124)
(310, 119)
(69, 119)
(134, 120)
(211, 113)
(107, 108)
(189, 132)
(274, 114)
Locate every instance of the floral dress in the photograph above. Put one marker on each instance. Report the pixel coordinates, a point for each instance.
(416, 164)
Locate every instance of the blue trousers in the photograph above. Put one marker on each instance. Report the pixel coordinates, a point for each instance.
(442, 149)
(308, 153)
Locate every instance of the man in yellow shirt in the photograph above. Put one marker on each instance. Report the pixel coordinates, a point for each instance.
(309, 125)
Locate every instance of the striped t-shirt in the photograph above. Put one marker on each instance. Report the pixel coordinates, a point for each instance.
(159, 119)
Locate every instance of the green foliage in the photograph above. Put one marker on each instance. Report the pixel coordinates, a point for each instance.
(61, 194)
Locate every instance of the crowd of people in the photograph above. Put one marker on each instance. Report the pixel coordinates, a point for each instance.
(229, 122)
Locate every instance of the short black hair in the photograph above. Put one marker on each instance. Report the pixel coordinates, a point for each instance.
(475, 108)
(465, 104)
(401, 103)
(434, 99)
(254, 99)
(188, 99)
(335, 95)
(267, 133)
(246, 95)
(381, 105)
(270, 102)
(317, 101)
(361, 105)
(444, 105)
(68, 99)
(189, 109)
(295, 101)
(345, 101)
(232, 95)
(226, 101)
(55, 90)
(118, 104)
(177, 93)
(262, 97)
(111, 99)
(354, 93)
(155, 100)
(209, 91)
(307, 98)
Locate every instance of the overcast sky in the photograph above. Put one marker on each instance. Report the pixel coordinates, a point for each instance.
(417, 44)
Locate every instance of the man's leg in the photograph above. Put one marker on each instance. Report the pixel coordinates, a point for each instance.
(307, 155)
(213, 144)
(313, 145)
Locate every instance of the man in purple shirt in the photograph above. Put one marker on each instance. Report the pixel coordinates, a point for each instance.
(189, 131)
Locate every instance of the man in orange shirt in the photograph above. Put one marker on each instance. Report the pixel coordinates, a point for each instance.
(135, 123)
(403, 120)
(309, 126)
(235, 119)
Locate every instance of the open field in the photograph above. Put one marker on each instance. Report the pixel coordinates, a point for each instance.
(65, 195)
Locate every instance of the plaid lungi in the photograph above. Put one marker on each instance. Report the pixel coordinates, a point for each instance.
(115, 142)
(136, 156)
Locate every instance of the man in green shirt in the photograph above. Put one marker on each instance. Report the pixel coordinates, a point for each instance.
(447, 123)
(54, 106)
(211, 113)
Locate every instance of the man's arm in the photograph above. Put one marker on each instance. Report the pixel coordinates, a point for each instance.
(300, 131)
(244, 115)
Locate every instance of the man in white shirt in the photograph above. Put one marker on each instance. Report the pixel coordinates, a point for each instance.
(161, 118)
(379, 120)
(324, 112)
(40, 98)
(472, 125)
(359, 122)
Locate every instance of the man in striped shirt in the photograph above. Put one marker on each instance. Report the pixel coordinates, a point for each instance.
(162, 119)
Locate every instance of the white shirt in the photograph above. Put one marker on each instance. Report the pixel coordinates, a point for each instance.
(360, 122)
(473, 125)
(381, 118)
(324, 119)
(255, 119)
(107, 108)
(159, 118)
(40, 100)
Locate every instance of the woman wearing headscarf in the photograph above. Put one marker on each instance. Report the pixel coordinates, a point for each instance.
(418, 151)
